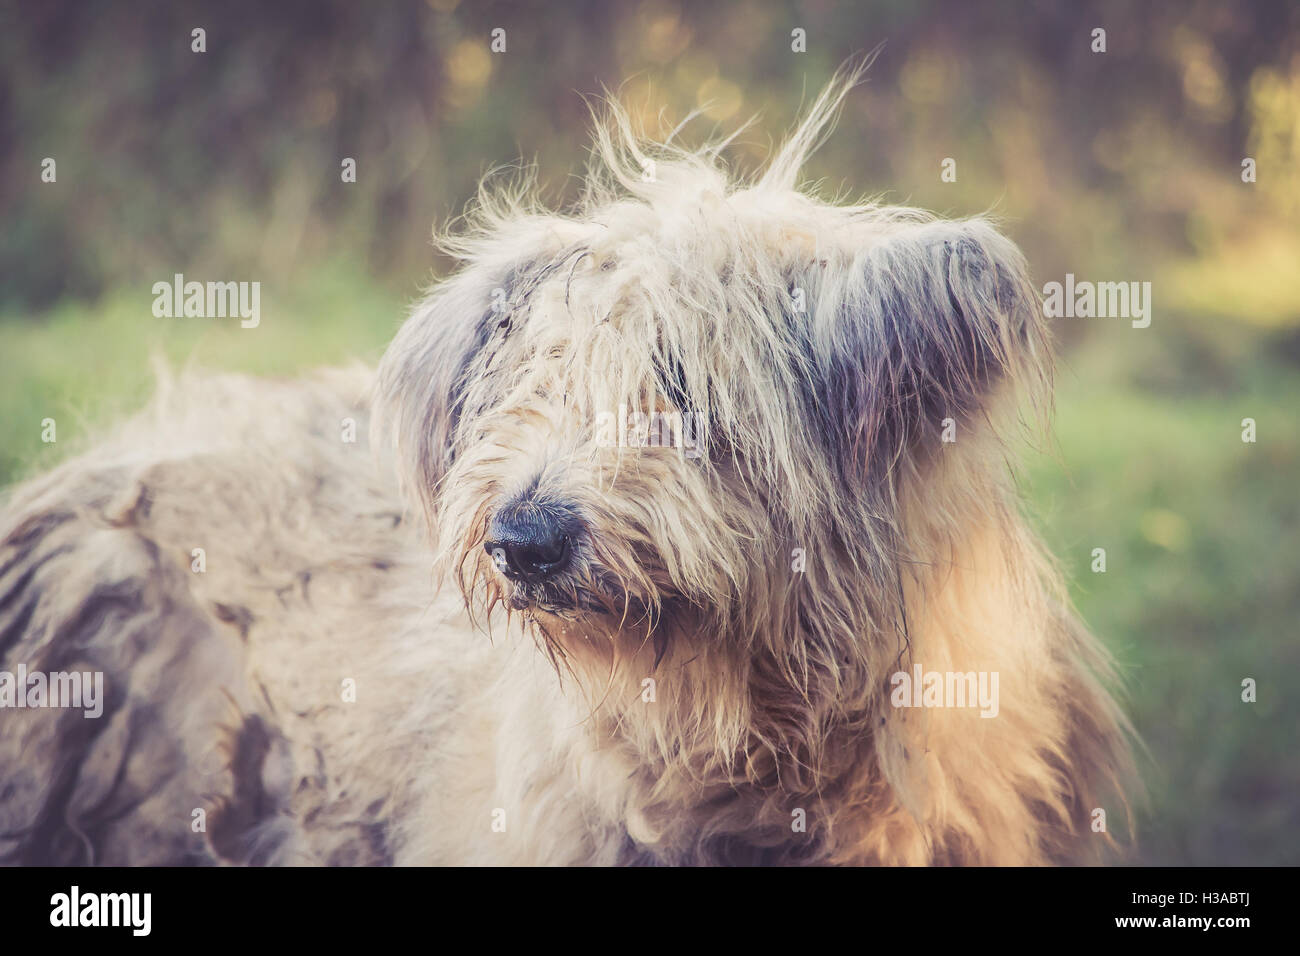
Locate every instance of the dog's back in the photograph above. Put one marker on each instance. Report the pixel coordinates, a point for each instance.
(237, 569)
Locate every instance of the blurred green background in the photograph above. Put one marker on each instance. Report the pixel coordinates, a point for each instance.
(1117, 166)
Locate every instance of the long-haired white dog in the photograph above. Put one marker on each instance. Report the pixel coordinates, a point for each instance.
(716, 559)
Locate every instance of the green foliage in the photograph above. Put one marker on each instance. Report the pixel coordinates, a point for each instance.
(1199, 592)
(88, 366)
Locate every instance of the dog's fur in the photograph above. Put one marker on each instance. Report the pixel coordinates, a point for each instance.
(710, 679)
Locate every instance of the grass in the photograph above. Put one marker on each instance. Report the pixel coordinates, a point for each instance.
(86, 366)
(1200, 529)
(1200, 591)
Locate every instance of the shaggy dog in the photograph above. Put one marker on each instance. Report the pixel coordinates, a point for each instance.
(716, 474)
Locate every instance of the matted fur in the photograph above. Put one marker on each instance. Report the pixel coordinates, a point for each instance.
(820, 345)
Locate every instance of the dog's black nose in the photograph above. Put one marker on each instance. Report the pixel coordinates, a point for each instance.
(529, 541)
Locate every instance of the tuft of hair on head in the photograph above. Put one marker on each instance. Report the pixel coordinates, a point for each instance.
(626, 162)
(817, 125)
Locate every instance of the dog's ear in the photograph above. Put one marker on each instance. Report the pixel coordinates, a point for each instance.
(425, 377)
(917, 325)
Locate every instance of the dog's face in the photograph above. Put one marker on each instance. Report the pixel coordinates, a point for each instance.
(665, 416)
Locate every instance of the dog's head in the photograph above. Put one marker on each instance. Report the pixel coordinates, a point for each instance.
(686, 411)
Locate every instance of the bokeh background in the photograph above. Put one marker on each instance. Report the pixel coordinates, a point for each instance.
(1117, 166)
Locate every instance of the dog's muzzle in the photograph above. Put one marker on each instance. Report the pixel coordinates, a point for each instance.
(530, 541)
